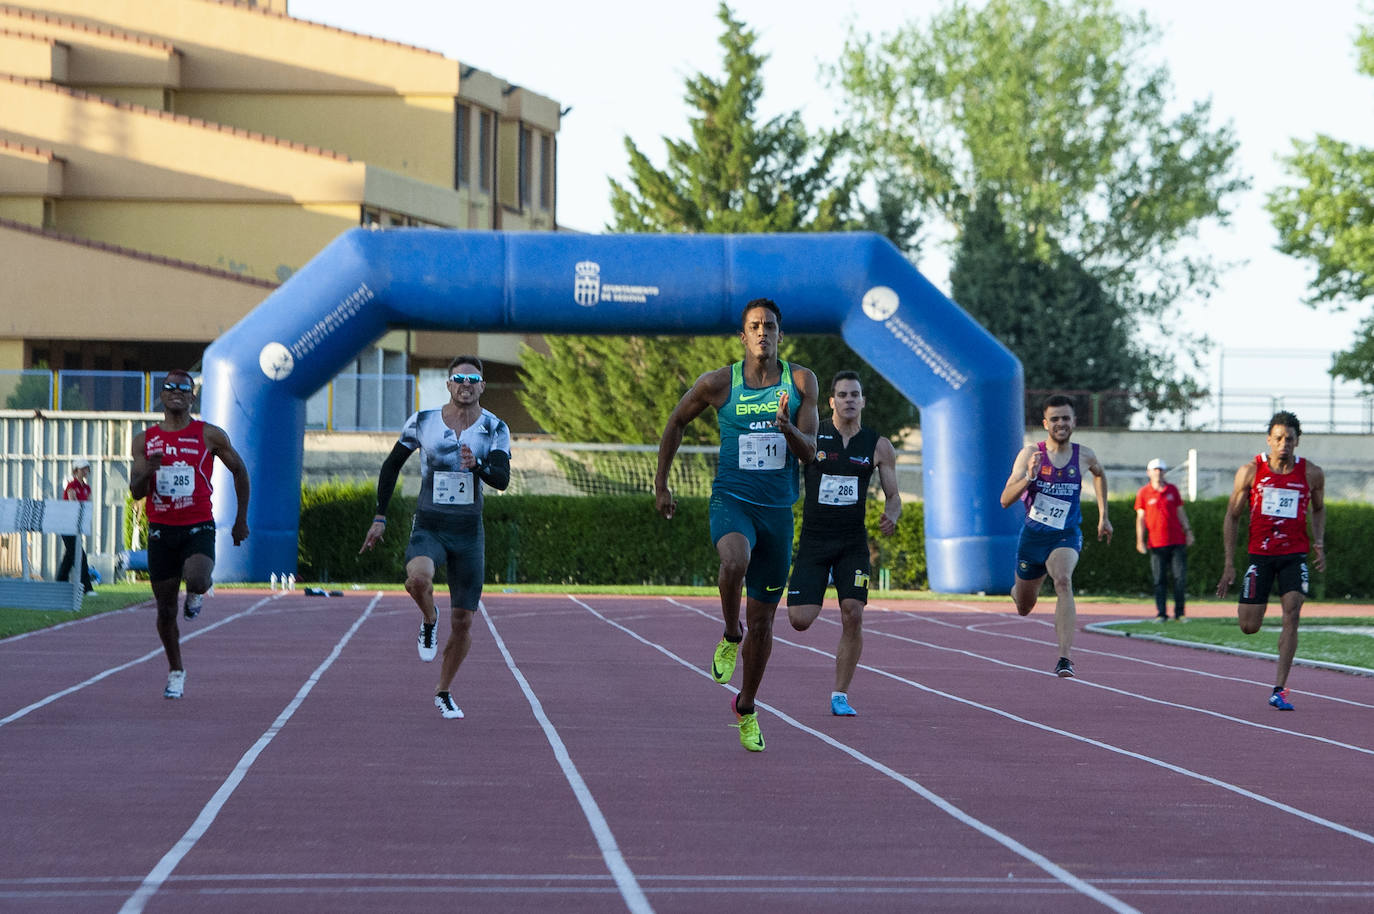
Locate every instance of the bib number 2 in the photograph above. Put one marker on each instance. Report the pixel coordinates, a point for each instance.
(452, 488)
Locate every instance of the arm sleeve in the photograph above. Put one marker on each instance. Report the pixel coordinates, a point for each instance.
(494, 470)
(391, 471)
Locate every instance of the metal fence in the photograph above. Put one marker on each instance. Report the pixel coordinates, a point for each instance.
(381, 402)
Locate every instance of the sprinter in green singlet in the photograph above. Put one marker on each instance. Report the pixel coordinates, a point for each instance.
(766, 409)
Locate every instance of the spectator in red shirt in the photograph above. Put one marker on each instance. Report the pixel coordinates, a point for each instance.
(77, 490)
(1162, 532)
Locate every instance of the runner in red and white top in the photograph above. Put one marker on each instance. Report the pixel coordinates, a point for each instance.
(1282, 494)
(172, 462)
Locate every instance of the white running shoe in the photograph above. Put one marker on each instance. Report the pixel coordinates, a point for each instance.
(176, 684)
(426, 643)
(194, 601)
(444, 702)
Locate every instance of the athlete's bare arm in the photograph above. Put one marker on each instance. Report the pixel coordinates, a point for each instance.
(1023, 470)
(885, 459)
(711, 389)
(1230, 523)
(142, 470)
(217, 442)
(1104, 523)
(1316, 479)
(801, 435)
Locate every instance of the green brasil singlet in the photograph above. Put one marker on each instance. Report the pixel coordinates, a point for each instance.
(755, 463)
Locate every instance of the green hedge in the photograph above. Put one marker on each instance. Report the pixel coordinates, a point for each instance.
(621, 539)
(558, 539)
(1119, 569)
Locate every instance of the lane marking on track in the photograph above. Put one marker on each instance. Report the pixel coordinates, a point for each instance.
(163, 869)
(981, 628)
(124, 666)
(1118, 750)
(1080, 681)
(1061, 874)
(625, 881)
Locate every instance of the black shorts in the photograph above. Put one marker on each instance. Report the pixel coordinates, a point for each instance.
(462, 553)
(822, 559)
(1290, 571)
(170, 545)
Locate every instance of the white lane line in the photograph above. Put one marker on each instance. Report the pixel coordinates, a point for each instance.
(1080, 681)
(159, 873)
(124, 666)
(625, 880)
(1058, 872)
(982, 628)
(1216, 782)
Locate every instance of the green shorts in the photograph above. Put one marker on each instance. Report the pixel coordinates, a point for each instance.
(769, 532)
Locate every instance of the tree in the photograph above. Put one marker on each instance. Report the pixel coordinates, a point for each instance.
(1326, 218)
(1052, 110)
(735, 175)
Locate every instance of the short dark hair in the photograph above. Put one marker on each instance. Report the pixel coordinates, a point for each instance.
(845, 375)
(466, 360)
(1284, 417)
(179, 371)
(761, 303)
(1057, 400)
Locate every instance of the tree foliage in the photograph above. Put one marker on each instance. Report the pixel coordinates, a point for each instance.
(735, 175)
(1326, 217)
(1054, 111)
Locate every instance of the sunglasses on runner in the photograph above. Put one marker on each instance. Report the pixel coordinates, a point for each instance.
(186, 386)
(470, 378)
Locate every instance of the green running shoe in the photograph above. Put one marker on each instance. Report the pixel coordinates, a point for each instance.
(723, 663)
(749, 735)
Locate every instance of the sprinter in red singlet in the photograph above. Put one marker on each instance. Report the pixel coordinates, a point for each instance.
(172, 465)
(1281, 493)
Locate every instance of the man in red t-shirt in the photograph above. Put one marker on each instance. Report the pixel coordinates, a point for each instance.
(1162, 532)
(1281, 492)
(78, 489)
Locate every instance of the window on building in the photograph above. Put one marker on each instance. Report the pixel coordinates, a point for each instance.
(462, 143)
(523, 164)
(545, 171)
(486, 143)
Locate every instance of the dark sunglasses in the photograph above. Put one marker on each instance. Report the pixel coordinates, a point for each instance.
(470, 378)
(178, 385)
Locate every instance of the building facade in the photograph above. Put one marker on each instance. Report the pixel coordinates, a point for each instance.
(164, 164)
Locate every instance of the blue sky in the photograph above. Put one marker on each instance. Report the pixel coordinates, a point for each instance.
(1273, 76)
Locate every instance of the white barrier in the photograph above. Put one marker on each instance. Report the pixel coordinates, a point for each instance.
(31, 515)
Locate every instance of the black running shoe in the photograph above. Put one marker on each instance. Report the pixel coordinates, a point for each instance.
(1064, 668)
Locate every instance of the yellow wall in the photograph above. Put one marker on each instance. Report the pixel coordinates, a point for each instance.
(28, 210)
(363, 127)
(262, 240)
(11, 355)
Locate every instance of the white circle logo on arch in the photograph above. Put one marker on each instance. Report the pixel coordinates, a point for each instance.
(275, 361)
(880, 303)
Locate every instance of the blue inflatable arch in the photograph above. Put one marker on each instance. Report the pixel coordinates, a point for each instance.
(258, 375)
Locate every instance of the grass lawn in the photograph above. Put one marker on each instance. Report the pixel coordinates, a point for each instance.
(1317, 638)
(106, 598)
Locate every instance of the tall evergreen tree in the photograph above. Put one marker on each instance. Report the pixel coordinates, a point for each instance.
(734, 175)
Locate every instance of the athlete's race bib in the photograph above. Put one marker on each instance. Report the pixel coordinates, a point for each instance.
(762, 451)
(452, 488)
(1276, 502)
(1050, 511)
(838, 490)
(176, 481)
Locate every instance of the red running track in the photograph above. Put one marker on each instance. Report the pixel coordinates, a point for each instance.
(307, 769)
